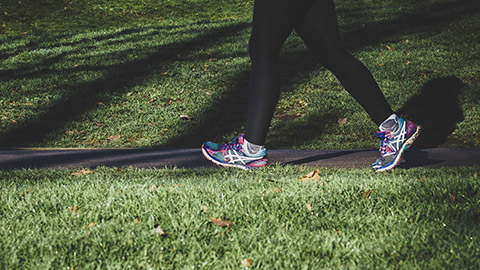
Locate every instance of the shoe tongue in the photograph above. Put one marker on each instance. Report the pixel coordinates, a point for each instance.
(240, 140)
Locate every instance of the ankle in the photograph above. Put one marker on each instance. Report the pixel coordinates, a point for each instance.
(252, 149)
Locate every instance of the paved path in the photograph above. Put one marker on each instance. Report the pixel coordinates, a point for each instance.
(192, 158)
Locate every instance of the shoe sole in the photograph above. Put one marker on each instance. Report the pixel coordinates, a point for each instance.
(399, 156)
(225, 165)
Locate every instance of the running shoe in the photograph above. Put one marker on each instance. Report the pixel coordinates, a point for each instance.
(392, 145)
(233, 155)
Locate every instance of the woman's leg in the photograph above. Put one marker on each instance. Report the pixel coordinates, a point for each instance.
(319, 30)
(273, 21)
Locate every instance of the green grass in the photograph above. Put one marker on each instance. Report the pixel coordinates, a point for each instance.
(174, 74)
(408, 219)
(71, 82)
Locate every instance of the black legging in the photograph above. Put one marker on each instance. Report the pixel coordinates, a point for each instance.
(316, 23)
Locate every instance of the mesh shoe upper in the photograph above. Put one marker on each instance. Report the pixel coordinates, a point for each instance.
(232, 155)
(392, 145)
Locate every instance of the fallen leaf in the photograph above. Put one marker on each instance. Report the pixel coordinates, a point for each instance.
(185, 117)
(276, 189)
(388, 47)
(81, 172)
(342, 121)
(475, 175)
(113, 138)
(311, 176)
(424, 179)
(92, 224)
(309, 207)
(220, 222)
(247, 262)
(137, 220)
(164, 73)
(204, 208)
(367, 193)
(158, 230)
(73, 208)
(152, 100)
(452, 197)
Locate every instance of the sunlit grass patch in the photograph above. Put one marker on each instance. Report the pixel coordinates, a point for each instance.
(216, 218)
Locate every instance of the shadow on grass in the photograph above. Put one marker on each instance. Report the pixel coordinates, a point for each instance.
(436, 109)
(83, 97)
(228, 113)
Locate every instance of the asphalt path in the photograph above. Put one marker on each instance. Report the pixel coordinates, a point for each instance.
(193, 158)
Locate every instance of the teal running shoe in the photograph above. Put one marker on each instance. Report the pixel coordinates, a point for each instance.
(392, 145)
(233, 155)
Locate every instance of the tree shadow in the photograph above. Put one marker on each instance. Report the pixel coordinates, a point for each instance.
(80, 98)
(436, 109)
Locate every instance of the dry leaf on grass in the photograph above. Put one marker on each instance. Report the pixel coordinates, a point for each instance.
(275, 189)
(113, 138)
(424, 179)
(247, 262)
(185, 117)
(27, 191)
(220, 222)
(367, 193)
(342, 121)
(311, 176)
(81, 172)
(90, 225)
(158, 230)
(73, 208)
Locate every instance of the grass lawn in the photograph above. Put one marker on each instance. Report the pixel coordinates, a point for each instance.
(123, 74)
(119, 219)
(166, 73)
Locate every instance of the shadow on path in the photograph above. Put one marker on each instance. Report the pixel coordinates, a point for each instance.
(193, 158)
